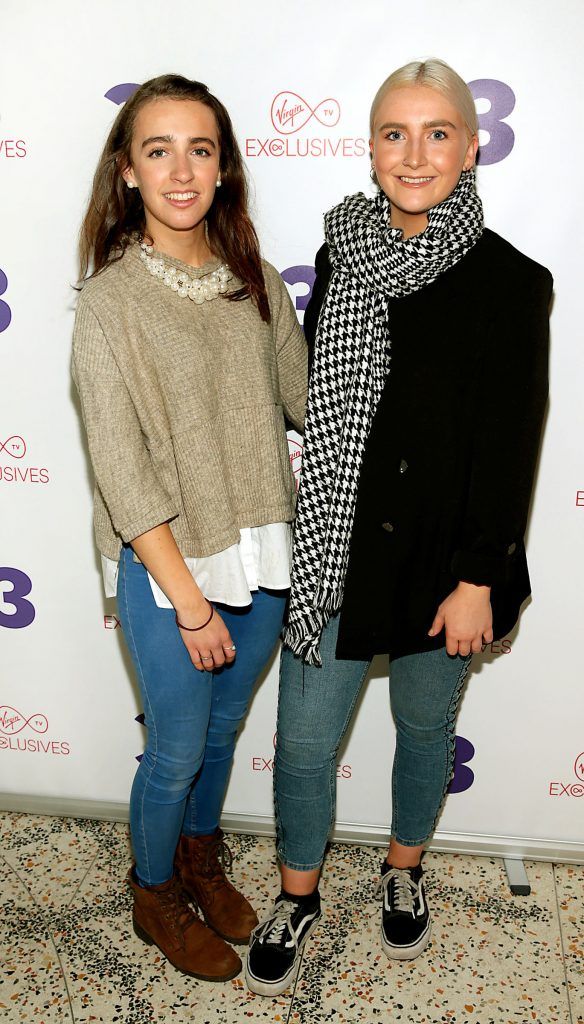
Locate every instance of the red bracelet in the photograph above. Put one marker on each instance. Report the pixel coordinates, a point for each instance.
(195, 629)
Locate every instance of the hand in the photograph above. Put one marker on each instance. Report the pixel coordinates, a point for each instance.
(467, 617)
(211, 647)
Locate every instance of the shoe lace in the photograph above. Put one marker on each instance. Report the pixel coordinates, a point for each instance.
(271, 929)
(175, 907)
(218, 860)
(403, 891)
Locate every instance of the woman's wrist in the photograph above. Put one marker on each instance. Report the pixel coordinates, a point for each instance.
(193, 611)
(195, 629)
(474, 588)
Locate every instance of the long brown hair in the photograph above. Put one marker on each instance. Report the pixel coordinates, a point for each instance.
(115, 214)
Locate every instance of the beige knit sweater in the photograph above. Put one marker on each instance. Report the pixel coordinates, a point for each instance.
(184, 407)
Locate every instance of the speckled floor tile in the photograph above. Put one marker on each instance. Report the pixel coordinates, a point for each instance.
(51, 855)
(570, 890)
(114, 977)
(495, 958)
(32, 985)
(69, 952)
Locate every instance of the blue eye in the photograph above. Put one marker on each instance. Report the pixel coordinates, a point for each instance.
(439, 134)
(394, 136)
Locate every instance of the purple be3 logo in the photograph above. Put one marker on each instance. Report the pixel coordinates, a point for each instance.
(300, 275)
(463, 777)
(5, 311)
(501, 102)
(15, 611)
(118, 94)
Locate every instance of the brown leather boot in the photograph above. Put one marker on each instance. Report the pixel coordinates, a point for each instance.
(162, 915)
(201, 863)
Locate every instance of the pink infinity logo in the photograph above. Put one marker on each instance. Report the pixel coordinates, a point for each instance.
(290, 112)
(14, 446)
(12, 722)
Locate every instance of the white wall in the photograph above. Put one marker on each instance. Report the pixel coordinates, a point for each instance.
(63, 674)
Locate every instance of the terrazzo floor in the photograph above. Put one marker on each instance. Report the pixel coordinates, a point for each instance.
(69, 953)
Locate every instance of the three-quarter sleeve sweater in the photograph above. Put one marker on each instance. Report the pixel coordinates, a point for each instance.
(184, 406)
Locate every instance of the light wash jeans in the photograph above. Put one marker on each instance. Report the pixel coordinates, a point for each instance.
(315, 708)
(192, 716)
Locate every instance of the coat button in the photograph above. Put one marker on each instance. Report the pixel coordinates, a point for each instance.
(403, 466)
(388, 527)
(512, 548)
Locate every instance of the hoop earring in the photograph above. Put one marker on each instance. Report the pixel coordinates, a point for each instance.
(373, 176)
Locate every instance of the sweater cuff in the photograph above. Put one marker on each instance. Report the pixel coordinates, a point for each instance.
(147, 521)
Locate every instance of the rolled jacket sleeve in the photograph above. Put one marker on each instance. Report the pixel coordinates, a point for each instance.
(508, 418)
(134, 497)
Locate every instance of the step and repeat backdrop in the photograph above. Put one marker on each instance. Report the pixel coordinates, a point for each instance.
(298, 80)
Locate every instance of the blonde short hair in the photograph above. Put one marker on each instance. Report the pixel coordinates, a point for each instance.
(435, 74)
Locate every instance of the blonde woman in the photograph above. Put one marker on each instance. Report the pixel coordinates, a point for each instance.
(425, 408)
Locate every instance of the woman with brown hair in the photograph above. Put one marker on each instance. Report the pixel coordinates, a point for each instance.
(186, 354)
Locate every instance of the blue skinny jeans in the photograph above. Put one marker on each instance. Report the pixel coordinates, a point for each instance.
(192, 716)
(315, 708)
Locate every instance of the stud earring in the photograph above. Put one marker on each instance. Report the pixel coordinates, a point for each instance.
(218, 183)
(130, 184)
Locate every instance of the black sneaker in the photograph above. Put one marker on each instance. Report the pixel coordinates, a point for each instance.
(275, 945)
(405, 919)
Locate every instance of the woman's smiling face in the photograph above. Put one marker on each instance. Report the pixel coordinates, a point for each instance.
(174, 163)
(420, 146)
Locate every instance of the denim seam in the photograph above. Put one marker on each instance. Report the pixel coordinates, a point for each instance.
(450, 737)
(279, 840)
(333, 771)
(151, 715)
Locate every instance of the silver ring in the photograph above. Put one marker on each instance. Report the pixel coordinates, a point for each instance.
(208, 658)
(232, 648)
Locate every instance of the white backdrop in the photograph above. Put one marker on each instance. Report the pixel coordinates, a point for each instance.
(68, 702)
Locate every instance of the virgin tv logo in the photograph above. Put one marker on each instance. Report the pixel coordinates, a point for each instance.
(290, 114)
(12, 721)
(13, 724)
(570, 789)
(12, 469)
(295, 450)
(15, 446)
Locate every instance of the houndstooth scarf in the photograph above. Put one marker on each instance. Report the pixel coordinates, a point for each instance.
(371, 265)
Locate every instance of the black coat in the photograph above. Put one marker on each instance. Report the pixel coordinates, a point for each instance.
(447, 476)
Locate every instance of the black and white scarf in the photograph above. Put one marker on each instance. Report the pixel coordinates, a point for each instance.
(371, 265)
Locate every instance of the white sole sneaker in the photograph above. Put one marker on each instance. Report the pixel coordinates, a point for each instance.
(275, 988)
(407, 952)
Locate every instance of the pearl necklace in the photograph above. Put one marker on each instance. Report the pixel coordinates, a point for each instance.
(200, 290)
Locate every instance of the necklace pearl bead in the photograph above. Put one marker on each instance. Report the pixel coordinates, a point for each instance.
(199, 289)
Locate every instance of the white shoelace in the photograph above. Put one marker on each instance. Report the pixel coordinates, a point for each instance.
(405, 891)
(272, 929)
